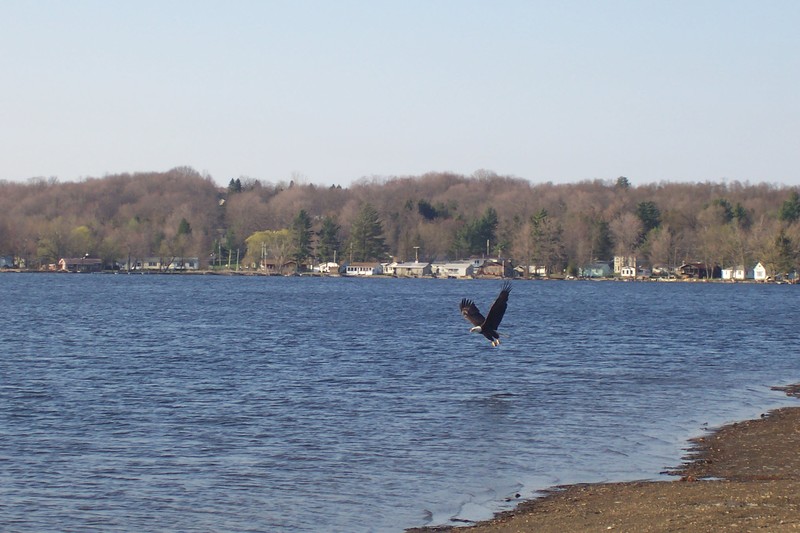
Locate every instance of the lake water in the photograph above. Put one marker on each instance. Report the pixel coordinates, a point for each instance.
(211, 403)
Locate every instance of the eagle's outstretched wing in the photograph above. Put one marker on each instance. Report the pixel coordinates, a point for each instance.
(498, 308)
(471, 313)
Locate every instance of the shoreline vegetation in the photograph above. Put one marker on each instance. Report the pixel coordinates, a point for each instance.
(568, 229)
(253, 273)
(742, 476)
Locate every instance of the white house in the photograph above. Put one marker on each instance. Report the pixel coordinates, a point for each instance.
(389, 268)
(621, 262)
(363, 269)
(738, 273)
(530, 270)
(760, 272)
(630, 272)
(184, 263)
(161, 264)
(327, 268)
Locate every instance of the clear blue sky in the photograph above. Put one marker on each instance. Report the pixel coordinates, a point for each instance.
(335, 90)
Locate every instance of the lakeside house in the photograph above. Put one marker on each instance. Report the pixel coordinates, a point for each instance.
(184, 263)
(455, 269)
(661, 270)
(537, 271)
(496, 268)
(738, 273)
(276, 267)
(388, 268)
(634, 272)
(622, 261)
(7, 261)
(477, 262)
(760, 272)
(363, 269)
(698, 270)
(327, 268)
(80, 264)
(598, 269)
(471, 268)
(412, 269)
(160, 264)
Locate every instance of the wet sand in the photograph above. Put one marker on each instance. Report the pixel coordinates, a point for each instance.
(742, 477)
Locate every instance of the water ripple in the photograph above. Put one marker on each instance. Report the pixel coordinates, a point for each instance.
(270, 404)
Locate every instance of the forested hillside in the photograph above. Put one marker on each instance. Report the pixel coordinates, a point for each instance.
(180, 213)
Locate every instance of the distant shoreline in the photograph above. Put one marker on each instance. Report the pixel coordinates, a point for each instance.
(382, 276)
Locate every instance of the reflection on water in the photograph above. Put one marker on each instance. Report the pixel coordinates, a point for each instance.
(287, 404)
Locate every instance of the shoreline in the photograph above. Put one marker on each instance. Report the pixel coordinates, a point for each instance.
(252, 273)
(744, 475)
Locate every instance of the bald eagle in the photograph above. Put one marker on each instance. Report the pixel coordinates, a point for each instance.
(487, 326)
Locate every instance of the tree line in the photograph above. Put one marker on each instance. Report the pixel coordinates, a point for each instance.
(436, 216)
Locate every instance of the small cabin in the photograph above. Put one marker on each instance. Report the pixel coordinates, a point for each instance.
(456, 269)
(697, 270)
(596, 270)
(496, 268)
(80, 264)
(412, 269)
(363, 269)
(760, 272)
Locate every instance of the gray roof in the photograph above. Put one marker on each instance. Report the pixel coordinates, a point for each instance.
(411, 264)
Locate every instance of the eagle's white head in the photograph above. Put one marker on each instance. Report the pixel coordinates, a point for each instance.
(476, 329)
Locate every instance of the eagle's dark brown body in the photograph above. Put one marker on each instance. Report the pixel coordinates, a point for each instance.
(487, 326)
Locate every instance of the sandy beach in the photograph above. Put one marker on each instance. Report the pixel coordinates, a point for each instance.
(742, 477)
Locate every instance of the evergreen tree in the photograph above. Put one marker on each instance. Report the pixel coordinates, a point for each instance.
(742, 216)
(602, 244)
(328, 243)
(184, 228)
(431, 212)
(784, 252)
(301, 236)
(473, 237)
(649, 214)
(548, 245)
(790, 210)
(366, 236)
(727, 209)
(235, 185)
(489, 223)
(426, 210)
